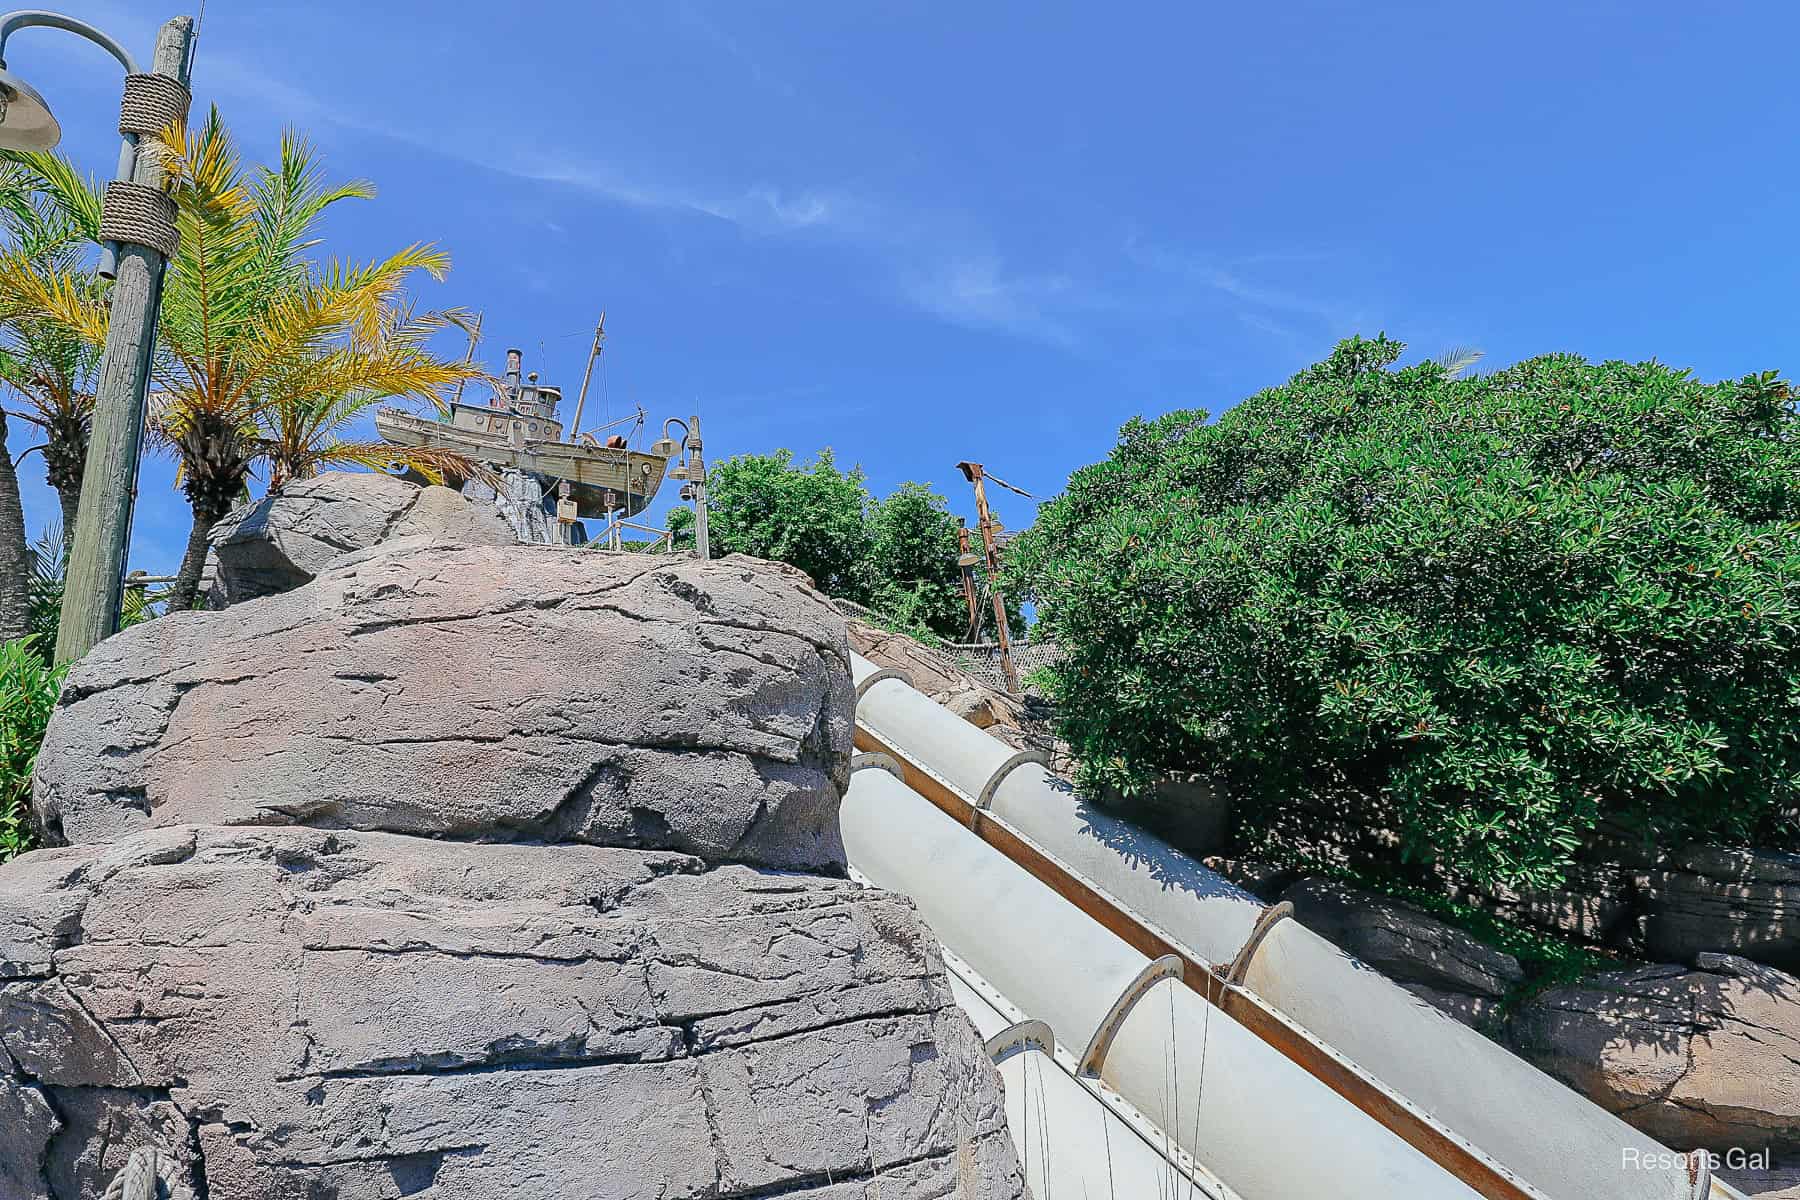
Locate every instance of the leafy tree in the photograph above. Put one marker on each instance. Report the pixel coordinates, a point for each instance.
(909, 571)
(1490, 612)
(251, 325)
(28, 690)
(814, 517)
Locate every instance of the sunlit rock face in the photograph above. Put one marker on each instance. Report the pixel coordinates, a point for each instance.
(295, 1012)
(476, 871)
(492, 693)
(281, 541)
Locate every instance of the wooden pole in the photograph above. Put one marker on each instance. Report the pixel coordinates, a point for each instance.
(985, 522)
(94, 585)
(968, 579)
(580, 400)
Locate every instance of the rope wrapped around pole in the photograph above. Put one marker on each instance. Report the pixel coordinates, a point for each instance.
(142, 216)
(134, 213)
(152, 103)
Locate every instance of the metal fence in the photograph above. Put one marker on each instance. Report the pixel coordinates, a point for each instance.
(978, 660)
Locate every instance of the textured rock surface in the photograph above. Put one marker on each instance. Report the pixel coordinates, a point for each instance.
(281, 541)
(519, 501)
(1401, 941)
(500, 693)
(293, 1012)
(1707, 1057)
(1713, 898)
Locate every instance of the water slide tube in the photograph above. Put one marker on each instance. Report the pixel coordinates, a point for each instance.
(1256, 1120)
(1485, 1115)
(1073, 1138)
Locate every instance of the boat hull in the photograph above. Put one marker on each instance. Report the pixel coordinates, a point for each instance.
(590, 471)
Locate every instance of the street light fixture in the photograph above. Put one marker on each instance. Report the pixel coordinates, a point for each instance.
(138, 236)
(25, 120)
(692, 472)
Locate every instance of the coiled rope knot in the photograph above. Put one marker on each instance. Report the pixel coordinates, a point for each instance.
(152, 103)
(135, 213)
(147, 1176)
(141, 216)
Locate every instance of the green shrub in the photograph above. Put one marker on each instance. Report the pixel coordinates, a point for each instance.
(814, 517)
(28, 692)
(1488, 614)
(909, 571)
(896, 555)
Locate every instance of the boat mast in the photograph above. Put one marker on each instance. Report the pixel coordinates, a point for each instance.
(599, 338)
(474, 331)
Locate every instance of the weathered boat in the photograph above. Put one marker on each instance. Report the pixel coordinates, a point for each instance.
(519, 430)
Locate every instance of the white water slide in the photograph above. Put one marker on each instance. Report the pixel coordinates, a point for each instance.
(1163, 1034)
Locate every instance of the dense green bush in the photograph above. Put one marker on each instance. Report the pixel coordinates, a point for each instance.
(814, 517)
(1490, 614)
(909, 571)
(896, 555)
(28, 692)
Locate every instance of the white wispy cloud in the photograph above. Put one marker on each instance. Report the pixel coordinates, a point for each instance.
(978, 292)
(933, 262)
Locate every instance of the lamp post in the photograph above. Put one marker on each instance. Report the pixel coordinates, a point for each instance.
(137, 229)
(692, 472)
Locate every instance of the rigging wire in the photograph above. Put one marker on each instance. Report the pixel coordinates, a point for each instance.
(1200, 1088)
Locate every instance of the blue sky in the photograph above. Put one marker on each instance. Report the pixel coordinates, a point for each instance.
(924, 232)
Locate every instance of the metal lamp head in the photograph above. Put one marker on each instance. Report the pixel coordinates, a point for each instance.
(25, 120)
(665, 447)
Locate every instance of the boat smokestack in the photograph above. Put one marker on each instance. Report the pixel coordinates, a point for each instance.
(515, 362)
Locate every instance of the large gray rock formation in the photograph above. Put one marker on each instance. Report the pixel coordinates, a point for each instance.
(1698, 1058)
(301, 1013)
(281, 541)
(1717, 898)
(588, 978)
(499, 693)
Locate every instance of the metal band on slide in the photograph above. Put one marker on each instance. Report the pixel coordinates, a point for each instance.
(1003, 770)
(877, 677)
(1018, 1038)
(878, 761)
(1271, 917)
(1169, 966)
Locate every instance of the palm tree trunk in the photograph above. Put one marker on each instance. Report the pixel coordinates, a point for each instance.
(65, 460)
(70, 499)
(187, 580)
(15, 555)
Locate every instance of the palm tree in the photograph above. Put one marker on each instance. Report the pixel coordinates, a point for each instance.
(49, 217)
(302, 437)
(252, 326)
(43, 230)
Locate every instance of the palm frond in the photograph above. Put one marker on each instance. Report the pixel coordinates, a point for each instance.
(29, 293)
(1458, 359)
(63, 192)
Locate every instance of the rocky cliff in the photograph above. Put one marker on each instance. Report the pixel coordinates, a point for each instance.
(476, 871)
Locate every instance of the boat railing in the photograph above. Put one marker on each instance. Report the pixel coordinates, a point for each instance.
(612, 537)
